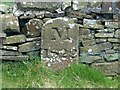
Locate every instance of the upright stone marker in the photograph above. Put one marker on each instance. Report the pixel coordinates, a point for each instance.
(59, 42)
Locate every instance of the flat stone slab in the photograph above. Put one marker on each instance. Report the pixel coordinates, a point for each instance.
(2, 35)
(14, 58)
(112, 24)
(112, 57)
(14, 48)
(104, 35)
(30, 46)
(9, 53)
(14, 39)
(111, 68)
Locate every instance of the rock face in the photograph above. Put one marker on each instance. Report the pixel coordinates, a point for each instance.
(61, 32)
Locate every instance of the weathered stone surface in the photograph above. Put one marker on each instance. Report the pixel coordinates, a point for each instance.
(111, 51)
(117, 33)
(33, 55)
(106, 7)
(33, 39)
(4, 8)
(108, 68)
(9, 53)
(9, 22)
(111, 57)
(9, 47)
(59, 40)
(115, 40)
(85, 58)
(77, 5)
(15, 58)
(116, 46)
(2, 35)
(88, 42)
(65, 4)
(112, 24)
(14, 39)
(104, 35)
(33, 28)
(101, 40)
(48, 6)
(108, 30)
(30, 46)
(97, 48)
(94, 24)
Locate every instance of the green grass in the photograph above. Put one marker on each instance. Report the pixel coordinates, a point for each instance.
(29, 74)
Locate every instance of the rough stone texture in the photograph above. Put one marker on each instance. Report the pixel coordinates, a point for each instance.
(94, 24)
(9, 22)
(9, 47)
(15, 58)
(111, 57)
(108, 68)
(4, 8)
(59, 40)
(113, 40)
(30, 46)
(9, 53)
(33, 28)
(117, 33)
(104, 35)
(2, 35)
(112, 24)
(14, 39)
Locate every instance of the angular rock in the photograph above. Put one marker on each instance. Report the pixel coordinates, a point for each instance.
(10, 22)
(110, 68)
(33, 28)
(9, 47)
(96, 49)
(111, 57)
(47, 6)
(114, 40)
(65, 4)
(15, 58)
(30, 46)
(33, 55)
(9, 53)
(108, 30)
(85, 58)
(112, 24)
(15, 39)
(77, 5)
(111, 51)
(107, 7)
(93, 24)
(101, 40)
(116, 46)
(88, 42)
(33, 39)
(4, 8)
(104, 35)
(2, 35)
(117, 33)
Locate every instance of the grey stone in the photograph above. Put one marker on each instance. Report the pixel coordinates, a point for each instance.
(2, 35)
(9, 47)
(85, 58)
(108, 30)
(33, 39)
(110, 68)
(10, 22)
(88, 42)
(33, 28)
(65, 4)
(59, 40)
(116, 46)
(101, 40)
(48, 6)
(9, 53)
(91, 23)
(30, 46)
(77, 5)
(111, 57)
(33, 55)
(111, 51)
(15, 58)
(106, 7)
(117, 33)
(96, 49)
(114, 40)
(4, 8)
(14, 39)
(112, 24)
(104, 35)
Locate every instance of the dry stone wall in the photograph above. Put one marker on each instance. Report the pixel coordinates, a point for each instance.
(62, 33)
